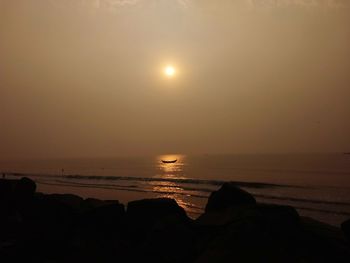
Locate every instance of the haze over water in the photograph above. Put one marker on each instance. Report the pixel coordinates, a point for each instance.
(85, 78)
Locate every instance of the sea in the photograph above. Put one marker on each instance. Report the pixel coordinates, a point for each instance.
(317, 185)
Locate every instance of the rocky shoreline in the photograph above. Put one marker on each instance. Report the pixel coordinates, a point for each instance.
(36, 227)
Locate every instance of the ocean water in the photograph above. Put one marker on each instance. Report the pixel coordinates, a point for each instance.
(317, 185)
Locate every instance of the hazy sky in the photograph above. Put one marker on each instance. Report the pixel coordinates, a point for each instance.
(84, 78)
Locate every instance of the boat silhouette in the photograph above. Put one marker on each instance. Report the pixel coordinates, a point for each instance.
(169, 161)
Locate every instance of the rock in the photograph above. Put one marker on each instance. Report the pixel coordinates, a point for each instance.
(320, 229)
(92, 203)
(153, 209)
(6, 187)
(271, 233)
(246, 240)
(267, 231)
(345, 226)
(74, 202)
(225, 217)
(278, 215)
(50, 212)
(96, 233)
(142, 215)
(322, 242)
(228, 195)
(50, 209)
(273, 214)
(17, 190)
(104, 216)
(160, 231)
(66, 228)
(180, 245)
(25, 188)
(100, 226)
(14, 196)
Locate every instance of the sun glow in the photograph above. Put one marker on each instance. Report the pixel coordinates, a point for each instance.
(169, 71)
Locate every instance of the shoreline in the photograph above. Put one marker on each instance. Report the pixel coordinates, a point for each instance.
(234, 226)
(329, 205)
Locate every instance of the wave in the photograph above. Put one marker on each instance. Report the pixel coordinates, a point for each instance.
(187, 187)
(198, 210)
(194, 209)
(180, 191)
(159, 179)
(122, 188)
(300, 203)
(342, 213)
(303, 200)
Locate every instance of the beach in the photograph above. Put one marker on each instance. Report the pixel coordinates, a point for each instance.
(316, 184)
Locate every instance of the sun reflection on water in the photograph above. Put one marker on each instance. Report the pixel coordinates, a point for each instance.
(172, 171)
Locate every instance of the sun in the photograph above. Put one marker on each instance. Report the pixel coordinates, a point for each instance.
(169, 71)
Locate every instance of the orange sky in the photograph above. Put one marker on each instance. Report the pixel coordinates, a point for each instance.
(84, 78)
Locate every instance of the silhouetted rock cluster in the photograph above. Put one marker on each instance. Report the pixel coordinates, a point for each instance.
(346, 228)
(37, 227)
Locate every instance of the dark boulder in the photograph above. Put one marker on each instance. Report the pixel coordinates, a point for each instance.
(72, 201)
(142, 215)
(25, 188)
(153, 209)
(247, 239)
(103, 216)
(6, 187)
(345, 226)
(322, 242)
(50, 208)
(268, 233)
(97, 232)
(160, 231)
(92, 203)
(278, 215)
(15, 195)
(100, 226)
(169, 240)
(17, 190)
(228, 195)
(45, 210)
(225, 217)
